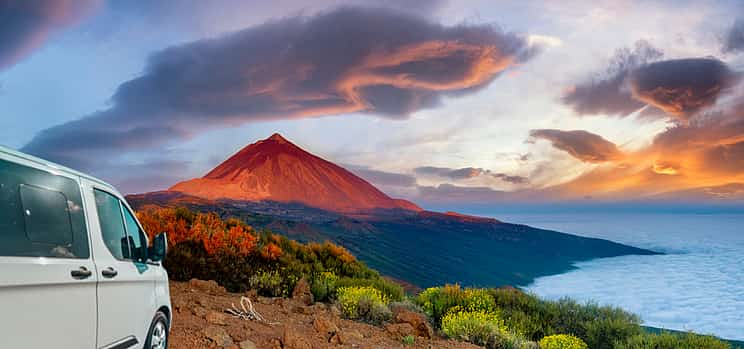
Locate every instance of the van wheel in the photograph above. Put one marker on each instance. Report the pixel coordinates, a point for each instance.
(157, 337)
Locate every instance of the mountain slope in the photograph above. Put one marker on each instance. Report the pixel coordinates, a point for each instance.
(423, 248)
(275, 169)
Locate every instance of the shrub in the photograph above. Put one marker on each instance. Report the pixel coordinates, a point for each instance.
(509, 340)
(667, 340)
(476, 327)
(409, 340)
(438, 301)
(407, 304)
(391, 290)
(267, 283)
(562, 341)
(363, 302)
(323, 286)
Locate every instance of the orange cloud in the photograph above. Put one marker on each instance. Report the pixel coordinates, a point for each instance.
(582, 145)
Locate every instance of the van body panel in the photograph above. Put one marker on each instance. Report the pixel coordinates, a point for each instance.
(54, 289)
(41, 304)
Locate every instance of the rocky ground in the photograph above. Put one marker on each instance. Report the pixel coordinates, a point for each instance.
(200, 321)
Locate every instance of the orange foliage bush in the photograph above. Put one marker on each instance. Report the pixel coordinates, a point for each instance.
(207, 228)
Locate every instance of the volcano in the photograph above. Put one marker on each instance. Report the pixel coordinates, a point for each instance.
(274, 169)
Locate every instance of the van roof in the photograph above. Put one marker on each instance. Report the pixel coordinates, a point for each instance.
(51, 165)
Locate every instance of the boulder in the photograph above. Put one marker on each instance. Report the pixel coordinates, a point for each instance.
(218, 335)
(418, 321)
(399, 331)
(302, 292)
(293, 339)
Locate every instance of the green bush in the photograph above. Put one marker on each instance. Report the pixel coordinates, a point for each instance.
(364, 303)
(667, 340)
(476, 327)
(562, 341)
(409, 340)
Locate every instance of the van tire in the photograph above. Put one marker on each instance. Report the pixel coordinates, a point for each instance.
(158, 329)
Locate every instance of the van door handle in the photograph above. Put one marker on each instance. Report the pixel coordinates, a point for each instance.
(109, 272)
(81, 273)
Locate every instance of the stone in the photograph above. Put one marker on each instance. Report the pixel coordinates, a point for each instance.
(302, 310)
(399, 331)
(418, 321)
(216, 318)
(247, 344)
(218, 335)
(293, 339)
(210, 286)
(302, 292)
(325, 326)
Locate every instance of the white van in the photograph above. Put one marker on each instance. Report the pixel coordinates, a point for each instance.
(76, 271)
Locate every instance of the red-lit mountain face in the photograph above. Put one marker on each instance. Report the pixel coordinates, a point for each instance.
(275, 169)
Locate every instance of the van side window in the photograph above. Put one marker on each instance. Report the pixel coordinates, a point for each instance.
(112, 224)
(41, 214)
(137, 239)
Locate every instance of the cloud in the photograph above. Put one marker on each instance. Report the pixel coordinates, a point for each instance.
(607, 92)
(27, 25)
(346, 61)
(383, 178)
(467, 173)
(733, 41)
(583, 145)
(681, 87)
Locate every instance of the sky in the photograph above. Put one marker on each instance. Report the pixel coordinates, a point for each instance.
(435, 101)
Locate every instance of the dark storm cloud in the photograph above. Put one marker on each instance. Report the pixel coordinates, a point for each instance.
(26, 25)
(383, 178)
(349, 60)
(606, 92)
(467, 172)
(682, 87)
(583, 145)
(733, 41)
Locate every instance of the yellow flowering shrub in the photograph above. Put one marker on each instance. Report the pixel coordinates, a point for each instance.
(472, 326)
(357, 301)
(562, 341)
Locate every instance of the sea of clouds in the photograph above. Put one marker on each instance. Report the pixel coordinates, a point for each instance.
(698, 285)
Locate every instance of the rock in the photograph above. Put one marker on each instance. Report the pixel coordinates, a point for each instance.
(216, 318)
(303, 310)
(302, 292)
(294, 340)
(418, 321)
(199, 312)
(325, 326)
(345, 337)
(218, 335)
(399, 331)
(210, 286)
(247, 344)
(238, 334)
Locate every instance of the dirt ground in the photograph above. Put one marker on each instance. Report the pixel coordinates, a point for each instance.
(200, 321)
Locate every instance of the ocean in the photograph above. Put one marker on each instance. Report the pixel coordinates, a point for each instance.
(697, 285)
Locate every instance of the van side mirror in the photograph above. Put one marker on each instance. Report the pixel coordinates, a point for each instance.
(159, 247)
